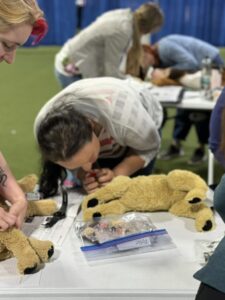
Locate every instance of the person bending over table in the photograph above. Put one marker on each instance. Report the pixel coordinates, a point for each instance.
(98, 128)
(18, 20)
(98, 49)
(184, 53)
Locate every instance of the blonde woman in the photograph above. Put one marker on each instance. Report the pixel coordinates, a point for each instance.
(99, 49)
(18, 20)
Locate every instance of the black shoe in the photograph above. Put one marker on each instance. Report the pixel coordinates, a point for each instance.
(197, 157)
(172, 152)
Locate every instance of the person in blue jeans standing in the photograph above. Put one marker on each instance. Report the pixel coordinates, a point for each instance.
(186, 53)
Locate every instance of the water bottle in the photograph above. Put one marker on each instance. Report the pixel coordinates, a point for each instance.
(206, 78)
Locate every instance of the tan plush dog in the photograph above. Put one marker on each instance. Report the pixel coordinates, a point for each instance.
(29, 252)
(180, 192)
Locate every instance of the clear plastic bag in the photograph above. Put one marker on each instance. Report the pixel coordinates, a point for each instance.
(204, 249)
(121, 235)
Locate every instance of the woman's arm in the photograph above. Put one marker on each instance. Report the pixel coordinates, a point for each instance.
(129, 165)
(10, 190)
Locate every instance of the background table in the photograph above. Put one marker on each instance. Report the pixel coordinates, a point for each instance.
(195, 101)
(166, 274)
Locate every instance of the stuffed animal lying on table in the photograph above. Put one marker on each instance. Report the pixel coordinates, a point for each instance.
(180, 192)
(29, 252)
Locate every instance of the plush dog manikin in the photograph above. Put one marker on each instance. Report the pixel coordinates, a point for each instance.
(180, 192)
(29, 252)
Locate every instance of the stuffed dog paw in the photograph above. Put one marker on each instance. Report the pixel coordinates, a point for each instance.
(180, 192)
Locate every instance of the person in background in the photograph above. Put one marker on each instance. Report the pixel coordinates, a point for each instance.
(99, 49)
(18, 20)
(184, 53)
(98, 128)
(172, 76)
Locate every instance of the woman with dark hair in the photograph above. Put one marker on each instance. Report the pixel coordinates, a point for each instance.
(99, 128)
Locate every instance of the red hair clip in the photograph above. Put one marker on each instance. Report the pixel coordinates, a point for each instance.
(40, 28)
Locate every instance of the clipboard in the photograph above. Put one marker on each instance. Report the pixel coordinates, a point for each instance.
(168, 94)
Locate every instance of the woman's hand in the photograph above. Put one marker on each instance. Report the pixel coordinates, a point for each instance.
(95, 179)
(18, 210)
(104, 176)
(7, 219)
(90, 182)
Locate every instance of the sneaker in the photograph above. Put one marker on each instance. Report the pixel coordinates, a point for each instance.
(172, 152)
(197, 157)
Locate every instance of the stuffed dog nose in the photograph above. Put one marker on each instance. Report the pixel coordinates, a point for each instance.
(96, 215)
(194, 200)
(208, 225)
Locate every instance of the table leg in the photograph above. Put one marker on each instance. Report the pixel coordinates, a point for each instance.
(210, 167)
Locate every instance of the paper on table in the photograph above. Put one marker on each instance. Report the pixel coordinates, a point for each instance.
(8, 268)
(58, 232)
(168, 94)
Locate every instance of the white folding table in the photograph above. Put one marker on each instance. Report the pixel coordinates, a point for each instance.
(195, 101)
(166, 274)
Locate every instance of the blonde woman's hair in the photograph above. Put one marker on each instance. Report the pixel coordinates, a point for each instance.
(15, 12)
(147, 18)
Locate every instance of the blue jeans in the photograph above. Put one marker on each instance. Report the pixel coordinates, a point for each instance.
(218, 61)
(183, 123)
(64, 81)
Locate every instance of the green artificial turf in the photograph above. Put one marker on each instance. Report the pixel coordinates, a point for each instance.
(25, 86)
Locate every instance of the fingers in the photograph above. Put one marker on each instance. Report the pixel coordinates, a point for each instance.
(19, 222)
(105, 176)
(90, 184)
(18, 210)
(91, 187)
(97, 178)
(6, 219)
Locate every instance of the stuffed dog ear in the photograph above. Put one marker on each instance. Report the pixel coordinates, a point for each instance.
(165, 81)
